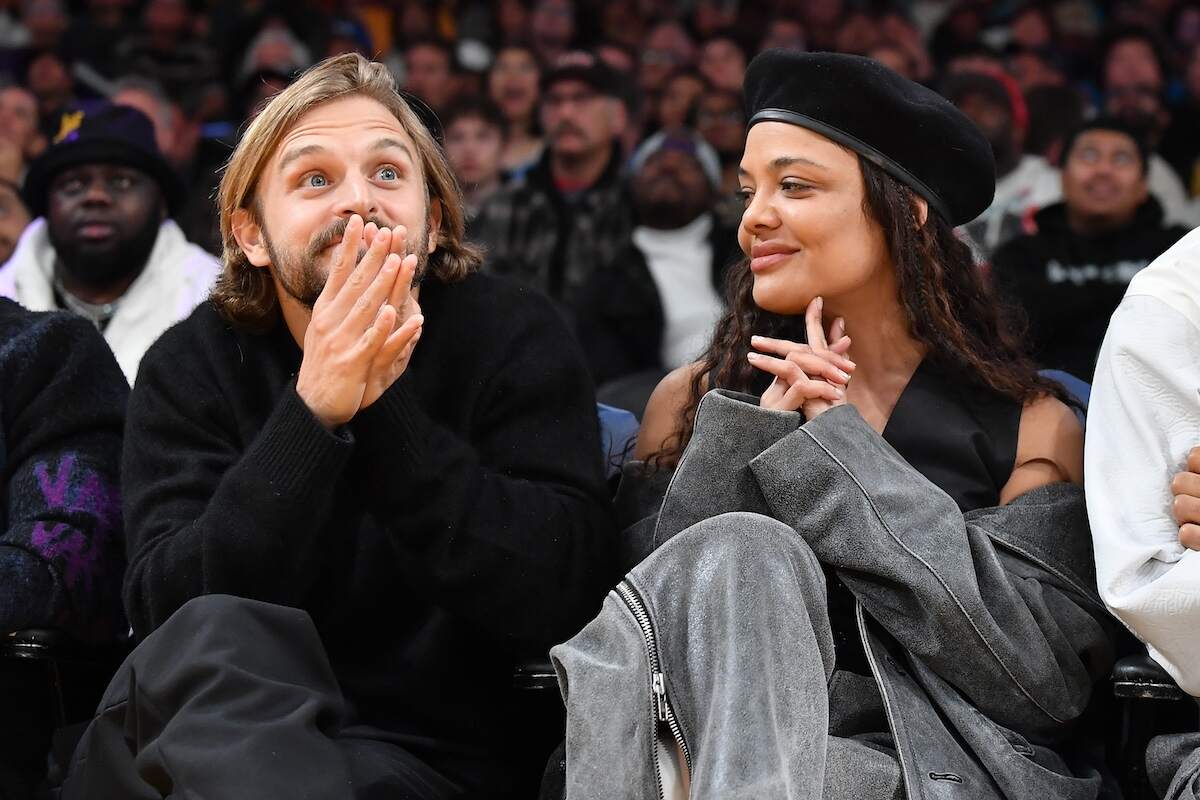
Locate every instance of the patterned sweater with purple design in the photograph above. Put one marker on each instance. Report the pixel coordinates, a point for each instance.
(62, 408)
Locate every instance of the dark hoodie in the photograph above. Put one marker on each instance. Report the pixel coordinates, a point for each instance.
(1069, 284)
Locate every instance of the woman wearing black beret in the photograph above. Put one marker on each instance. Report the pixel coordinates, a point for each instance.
(881, 584)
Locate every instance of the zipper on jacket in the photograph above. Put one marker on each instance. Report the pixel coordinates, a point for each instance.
(660, 709)
(887, 703)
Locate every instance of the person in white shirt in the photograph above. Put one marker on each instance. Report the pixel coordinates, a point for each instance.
(1143, 422)
(103, 244)
(653, 308)
(1142, 468)
(1025, 183)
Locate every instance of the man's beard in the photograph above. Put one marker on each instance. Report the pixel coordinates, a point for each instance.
(301, 277)
(103, 267)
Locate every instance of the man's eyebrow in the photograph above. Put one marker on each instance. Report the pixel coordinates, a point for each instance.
(299, 152)
(388, 143)
(787, 161)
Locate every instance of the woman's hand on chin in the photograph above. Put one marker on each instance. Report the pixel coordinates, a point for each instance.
(812, 377)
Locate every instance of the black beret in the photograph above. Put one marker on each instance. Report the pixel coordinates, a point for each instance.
(911, 132)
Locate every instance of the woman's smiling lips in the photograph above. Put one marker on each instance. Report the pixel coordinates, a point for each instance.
(765, 256)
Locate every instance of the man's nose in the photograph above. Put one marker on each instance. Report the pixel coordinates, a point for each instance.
(97, 193)
(358, 197)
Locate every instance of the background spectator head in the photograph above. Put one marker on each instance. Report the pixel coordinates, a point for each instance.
(429, 72)
(997, 108)
(582, 109)
(52, 84)
(895, 58)
(622, 24)
(959, 31)
(475, 131)
(785, 33)
(14, 218)
(104, 190)
(1031, 28)
(257, 90)
(1032, 68)
(677, 103)
(668, 47)
(348, 36)
(514, 84)
(19, 121)
(721, 121)
(1140, 106)
(148, 97)
(275, 49)
(1184, 25)
(722, 62)
(821, 19)
(552, 28)
(675, 176)
(1104, 174)
(975, 58)
(46, 21)
(1133, 56)
(167, 21)
(511, 20)
(710, 17)
(858, 33)
(1054, 113)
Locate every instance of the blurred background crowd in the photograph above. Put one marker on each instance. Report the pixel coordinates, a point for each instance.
(597, 142)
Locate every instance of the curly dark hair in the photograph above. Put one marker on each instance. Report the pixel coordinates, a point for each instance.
(949, 306)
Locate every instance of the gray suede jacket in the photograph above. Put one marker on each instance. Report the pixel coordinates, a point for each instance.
(984, 632)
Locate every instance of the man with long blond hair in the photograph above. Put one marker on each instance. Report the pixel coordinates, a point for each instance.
(357, 481)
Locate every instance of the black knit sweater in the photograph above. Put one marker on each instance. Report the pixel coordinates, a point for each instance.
(459, 521)
(62, 405)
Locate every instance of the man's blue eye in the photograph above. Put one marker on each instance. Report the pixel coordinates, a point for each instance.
(317, 181)
(389, 174)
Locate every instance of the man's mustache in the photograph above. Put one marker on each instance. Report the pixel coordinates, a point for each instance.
(567, 127)
(334, 233)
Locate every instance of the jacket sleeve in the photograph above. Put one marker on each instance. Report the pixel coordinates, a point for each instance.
(511, 525)
(1022, 639)
(60, 549)
(1143, 419)
(209, 515)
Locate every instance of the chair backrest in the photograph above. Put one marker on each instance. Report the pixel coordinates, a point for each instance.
(618, 431)
(1080, 391)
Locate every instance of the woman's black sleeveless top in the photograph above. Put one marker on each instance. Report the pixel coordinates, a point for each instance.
(964, 440)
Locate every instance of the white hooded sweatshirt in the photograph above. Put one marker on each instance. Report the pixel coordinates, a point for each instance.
(177, 278)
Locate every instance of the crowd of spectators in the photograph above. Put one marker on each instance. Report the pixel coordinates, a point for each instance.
(546, 102)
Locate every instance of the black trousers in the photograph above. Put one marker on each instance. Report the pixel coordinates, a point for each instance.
(233, 698)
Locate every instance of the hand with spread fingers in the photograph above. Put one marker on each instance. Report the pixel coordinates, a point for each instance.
(811, 377)
(392, 358)
(356, 336)
(1186, 506)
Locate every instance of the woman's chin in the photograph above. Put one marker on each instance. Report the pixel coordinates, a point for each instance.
(777, 300)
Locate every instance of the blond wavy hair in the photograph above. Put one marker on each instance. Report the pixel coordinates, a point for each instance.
(244, 293)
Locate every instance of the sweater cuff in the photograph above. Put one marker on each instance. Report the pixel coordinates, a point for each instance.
(294, 451)
(397, 423)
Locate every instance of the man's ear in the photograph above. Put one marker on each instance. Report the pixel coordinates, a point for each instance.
(435, 223)
(249, 236)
